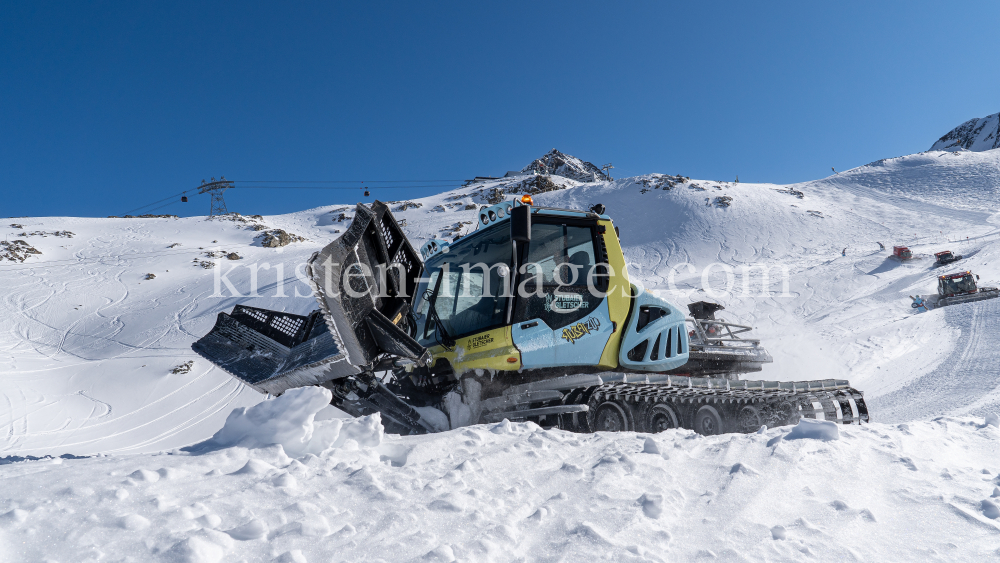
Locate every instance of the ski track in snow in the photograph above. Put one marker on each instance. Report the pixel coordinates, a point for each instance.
(967, 382)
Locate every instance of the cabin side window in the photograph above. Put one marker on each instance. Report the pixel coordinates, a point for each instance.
(562, 280)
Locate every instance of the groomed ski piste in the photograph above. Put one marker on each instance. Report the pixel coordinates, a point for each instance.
(89, 348)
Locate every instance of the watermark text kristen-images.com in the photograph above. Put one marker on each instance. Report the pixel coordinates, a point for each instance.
(717, 280)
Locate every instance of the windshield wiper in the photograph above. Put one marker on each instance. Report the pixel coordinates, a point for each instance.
(445, 340)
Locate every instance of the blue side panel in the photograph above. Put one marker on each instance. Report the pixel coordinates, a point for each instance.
(665, 339)
(580, 343)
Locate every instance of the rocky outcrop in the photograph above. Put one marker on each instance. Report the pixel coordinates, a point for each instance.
(531, 186)
(559, 164)
(277, 238)
(981, 134)
(16, 250)
(63, 234)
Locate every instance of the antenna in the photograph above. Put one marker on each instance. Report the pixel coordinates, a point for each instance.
(215, 188)
(607, 171)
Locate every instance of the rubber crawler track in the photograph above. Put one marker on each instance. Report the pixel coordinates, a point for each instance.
(711, 406)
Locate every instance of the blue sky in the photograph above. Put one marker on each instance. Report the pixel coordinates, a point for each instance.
(108, 106)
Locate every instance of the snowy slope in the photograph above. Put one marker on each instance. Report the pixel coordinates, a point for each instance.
(980, 134)
(923, 491)
(939, 181)
(87, 345)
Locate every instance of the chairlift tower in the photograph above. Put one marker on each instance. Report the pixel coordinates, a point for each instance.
(607, 171)
(215, 188)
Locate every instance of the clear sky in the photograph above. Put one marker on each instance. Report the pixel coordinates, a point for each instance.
(108, 106)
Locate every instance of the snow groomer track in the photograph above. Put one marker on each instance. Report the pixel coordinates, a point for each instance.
(712, 405)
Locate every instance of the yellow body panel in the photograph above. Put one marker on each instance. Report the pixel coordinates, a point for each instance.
(619, 294)
(486, 350)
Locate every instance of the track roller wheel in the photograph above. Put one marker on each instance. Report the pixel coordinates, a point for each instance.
(782, 413)
(610, 415)
(749, 419)
(707, 421)
(659, 417)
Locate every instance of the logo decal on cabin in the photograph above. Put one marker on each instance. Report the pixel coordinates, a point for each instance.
(575, 332)
(565, 303)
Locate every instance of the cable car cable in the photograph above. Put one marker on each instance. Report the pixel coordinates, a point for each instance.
(158, 201)
(413, 184)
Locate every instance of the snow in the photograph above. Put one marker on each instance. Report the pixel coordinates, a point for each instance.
(291, 420)
(993, 419)
(514, 491)
(824, 430)
(186, 464)
(960, 185)
(990, 509)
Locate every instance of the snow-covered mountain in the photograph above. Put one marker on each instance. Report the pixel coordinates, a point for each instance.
(97, 317)
(559, 164)
(980, 134)
(89, 343)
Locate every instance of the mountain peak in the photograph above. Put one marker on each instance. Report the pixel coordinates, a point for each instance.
(979, 134)
(555, 162)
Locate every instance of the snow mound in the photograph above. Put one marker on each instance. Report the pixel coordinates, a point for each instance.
(993, 419)
(978, 134)
(990, 510)
(299, 421)
(824, 430)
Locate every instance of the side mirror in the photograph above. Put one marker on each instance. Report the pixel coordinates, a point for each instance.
(520, 223)
(977, 276)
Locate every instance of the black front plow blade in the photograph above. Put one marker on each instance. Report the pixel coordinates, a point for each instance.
(273, 351)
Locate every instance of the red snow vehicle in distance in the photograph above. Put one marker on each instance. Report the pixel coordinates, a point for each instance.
(961, 287)
(902, 252)
(945, 257)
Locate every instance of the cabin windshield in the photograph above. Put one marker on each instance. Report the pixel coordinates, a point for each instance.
(965, 284)
(465, 289)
